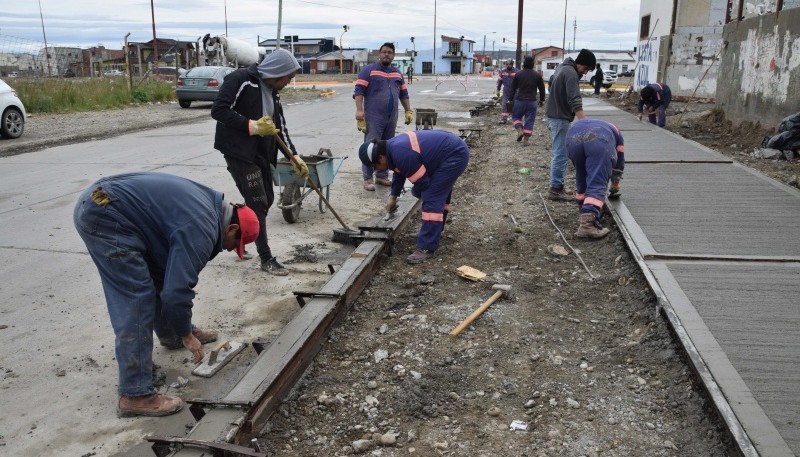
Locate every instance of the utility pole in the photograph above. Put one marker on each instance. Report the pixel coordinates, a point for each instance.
(434, 37)
(226, 17)
(574, 30)
(280, 14)
(564, 35)
(341, 50)
(155, 43)
(414, 55)
(46, 51)
(519, 34)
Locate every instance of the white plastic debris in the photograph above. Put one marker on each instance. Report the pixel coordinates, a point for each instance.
(518, 425)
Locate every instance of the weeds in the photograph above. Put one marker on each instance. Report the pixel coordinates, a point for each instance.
(75, 95)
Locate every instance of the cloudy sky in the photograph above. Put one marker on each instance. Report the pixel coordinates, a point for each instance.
(607, 24)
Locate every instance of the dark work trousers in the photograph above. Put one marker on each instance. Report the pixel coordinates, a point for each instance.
(254, 181)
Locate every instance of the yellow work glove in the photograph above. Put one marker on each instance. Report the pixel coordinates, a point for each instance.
(497, 94)
(409, 117)
(361, 125)
(300, 167)
(263, 127)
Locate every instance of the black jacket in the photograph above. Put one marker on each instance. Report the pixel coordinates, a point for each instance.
(525, 84)
(239, 102)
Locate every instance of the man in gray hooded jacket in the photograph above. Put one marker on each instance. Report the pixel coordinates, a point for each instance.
(564, 105)
(249, 116)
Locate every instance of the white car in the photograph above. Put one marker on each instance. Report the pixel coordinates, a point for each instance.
(12, 122)
(113, 73)
(609, 78)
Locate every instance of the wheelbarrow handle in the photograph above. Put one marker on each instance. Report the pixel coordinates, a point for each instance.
(286, 152)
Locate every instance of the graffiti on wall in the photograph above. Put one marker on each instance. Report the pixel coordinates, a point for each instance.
(647, 62)
(766, 61)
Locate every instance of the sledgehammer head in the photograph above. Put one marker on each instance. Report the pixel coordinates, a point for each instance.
(508, 294)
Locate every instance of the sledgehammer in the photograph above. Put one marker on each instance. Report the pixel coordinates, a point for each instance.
(503, 290)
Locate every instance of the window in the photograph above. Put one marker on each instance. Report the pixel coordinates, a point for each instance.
(553, 53)
(644, 31)
(552, 65)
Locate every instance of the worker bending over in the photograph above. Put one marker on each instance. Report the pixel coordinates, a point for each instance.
(596, 149)
(150, 235)
(432, 160)
(656, 98)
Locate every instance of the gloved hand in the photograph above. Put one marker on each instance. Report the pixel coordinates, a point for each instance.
(409, 117)
(300, 167)
(497, 94)
(263, 127)
(616, 177)
(361, 125)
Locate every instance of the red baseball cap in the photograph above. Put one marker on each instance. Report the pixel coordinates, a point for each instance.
(248, 225)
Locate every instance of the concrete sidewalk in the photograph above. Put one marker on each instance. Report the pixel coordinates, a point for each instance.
(720, 244)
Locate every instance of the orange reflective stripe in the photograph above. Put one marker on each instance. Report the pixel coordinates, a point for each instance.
(412, 138)
(432, 217)
(417, 174)
(362, 82)
(403, 87)
(593, 201)
(621, 148)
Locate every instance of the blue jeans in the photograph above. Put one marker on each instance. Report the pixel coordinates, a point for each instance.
(130, 290)
(558, 164)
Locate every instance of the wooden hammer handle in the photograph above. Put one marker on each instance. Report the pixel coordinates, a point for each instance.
(460, 328)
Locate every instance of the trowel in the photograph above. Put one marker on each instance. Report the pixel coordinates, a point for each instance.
(218, 358)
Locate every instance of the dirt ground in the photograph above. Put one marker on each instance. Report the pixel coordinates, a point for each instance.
(587, 366)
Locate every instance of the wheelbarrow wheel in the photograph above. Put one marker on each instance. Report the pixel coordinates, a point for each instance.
(291, 196)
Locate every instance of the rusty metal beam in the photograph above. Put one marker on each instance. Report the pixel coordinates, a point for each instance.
(279, 366)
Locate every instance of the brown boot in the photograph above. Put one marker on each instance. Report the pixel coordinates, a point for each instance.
(148, 405)
(419, 256)
(205, 335)
(587, 229)
(558, 194)
(368, 184)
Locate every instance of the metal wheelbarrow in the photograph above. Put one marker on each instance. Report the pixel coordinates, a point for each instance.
(322, 169)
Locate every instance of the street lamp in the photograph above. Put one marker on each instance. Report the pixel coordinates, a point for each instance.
(413, 53)
(461, 48)
(484, 48)
(341, 50)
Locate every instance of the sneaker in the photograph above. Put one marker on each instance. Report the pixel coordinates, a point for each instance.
(204, 335)
(148, 405)
(558, 194)
(419, 256)
(383, 181)
(273, 267)
(368, 185)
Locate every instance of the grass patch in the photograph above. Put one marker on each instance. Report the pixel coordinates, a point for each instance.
(79, 94)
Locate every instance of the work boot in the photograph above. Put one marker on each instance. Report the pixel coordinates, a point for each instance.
(419, 256)
(383, 181)
(587, 228)
(203, 335)
(272, 266)
(148, 405)
(558, 194)
(368, 185)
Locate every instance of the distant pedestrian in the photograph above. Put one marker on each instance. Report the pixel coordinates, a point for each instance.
(504, 80)
(149, 235)
(656, 98)
(598, 80)
(410, 73)
(523, 90)
(596, 149)
(564, 105)
(432, 160)
(379, 92)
